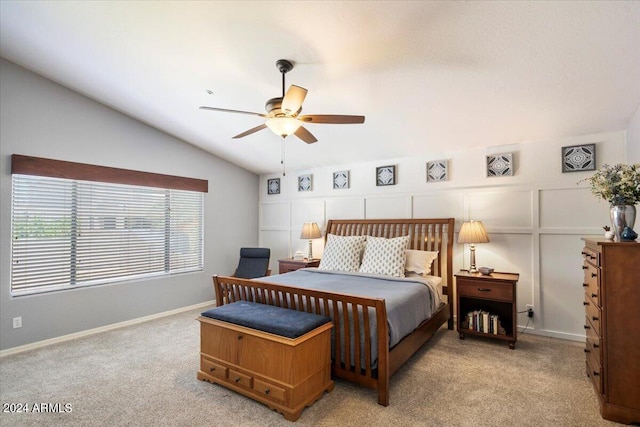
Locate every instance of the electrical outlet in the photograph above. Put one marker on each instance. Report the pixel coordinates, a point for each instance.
(529, 310)
(17, 322)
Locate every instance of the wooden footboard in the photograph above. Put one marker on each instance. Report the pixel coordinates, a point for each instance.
(351, 328)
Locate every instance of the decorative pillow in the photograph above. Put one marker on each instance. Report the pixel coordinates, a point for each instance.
(419, 261)
(342, 253)
(385, 256)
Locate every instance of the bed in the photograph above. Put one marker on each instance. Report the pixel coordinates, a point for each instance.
(365, 348)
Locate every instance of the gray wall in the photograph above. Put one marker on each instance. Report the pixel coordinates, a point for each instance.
(633, 138)
(43, 119)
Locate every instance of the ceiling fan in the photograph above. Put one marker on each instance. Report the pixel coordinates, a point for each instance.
(283, 113)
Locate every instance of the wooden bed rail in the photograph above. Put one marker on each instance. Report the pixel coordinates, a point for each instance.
(352, 319)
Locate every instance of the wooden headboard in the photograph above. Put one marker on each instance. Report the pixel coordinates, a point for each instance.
(426, 235)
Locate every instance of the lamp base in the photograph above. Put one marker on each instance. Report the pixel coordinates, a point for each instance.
(472, 261)
(310, 250)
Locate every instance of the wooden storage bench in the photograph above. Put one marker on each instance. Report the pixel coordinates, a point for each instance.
(277, 356)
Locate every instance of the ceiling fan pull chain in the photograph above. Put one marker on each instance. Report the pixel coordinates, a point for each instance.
(282, 153)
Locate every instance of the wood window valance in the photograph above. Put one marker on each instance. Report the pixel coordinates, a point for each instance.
(29, 165)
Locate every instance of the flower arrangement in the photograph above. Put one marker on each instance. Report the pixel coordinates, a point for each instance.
(618, 185)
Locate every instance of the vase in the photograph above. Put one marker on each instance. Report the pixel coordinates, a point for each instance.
(622, 216)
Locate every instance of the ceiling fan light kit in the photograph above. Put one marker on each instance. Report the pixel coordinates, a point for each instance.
(283, 126)
(283, 113)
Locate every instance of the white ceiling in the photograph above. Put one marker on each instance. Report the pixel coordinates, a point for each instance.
(430, 77)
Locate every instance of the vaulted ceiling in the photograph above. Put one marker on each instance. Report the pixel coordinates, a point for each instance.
(430, 77)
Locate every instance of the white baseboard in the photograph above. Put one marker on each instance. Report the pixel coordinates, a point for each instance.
(105, 328)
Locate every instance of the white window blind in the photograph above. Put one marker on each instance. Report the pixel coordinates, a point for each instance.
(69, 233)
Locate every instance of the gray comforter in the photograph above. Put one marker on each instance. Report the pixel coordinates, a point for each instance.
(409, 301)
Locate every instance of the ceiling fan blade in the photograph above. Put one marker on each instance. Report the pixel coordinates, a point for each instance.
(250, 131)
(331, 118)
(226, 110)
(305, 135)
(293, 99)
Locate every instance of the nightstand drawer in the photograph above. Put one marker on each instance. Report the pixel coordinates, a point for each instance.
(486, 290)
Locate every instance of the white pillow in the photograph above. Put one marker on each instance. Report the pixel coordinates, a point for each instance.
(420, 261)
(342, 253)
(385, 256)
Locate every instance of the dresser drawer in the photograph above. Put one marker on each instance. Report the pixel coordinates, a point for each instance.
(593, 312)
(594, 372)
(485, 290)
(593, 346)
(269, 390)
(239, 378)
(591, 256)
(591, 282)
(212, 368)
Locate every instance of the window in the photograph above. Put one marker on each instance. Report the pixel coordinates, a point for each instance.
(68, 233)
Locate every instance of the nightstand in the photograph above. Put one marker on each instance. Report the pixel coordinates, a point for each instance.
(486, 305)
(290, 264)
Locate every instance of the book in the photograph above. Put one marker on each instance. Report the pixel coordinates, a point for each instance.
(485, 322)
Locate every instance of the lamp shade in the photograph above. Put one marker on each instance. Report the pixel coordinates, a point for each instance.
(473, 232)
(310, 230)
(283, 126)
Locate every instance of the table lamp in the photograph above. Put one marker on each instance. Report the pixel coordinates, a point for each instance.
(473, 232)
(310, 230)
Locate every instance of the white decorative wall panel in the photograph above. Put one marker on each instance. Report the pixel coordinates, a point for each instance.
(388, 207)
(347, 208)
(571, 208)
(501, 209)
(561, 291)
(275, 215)
(440, 205)
(278, 242)
(307, 210)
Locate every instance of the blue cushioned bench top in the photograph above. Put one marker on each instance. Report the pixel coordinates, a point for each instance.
(268, 318)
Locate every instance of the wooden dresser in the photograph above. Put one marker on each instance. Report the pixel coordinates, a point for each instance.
(612, 325)
(285, 374)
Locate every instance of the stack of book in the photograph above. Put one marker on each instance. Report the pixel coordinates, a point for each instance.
(483, 321)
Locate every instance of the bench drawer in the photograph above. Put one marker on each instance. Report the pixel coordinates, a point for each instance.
(269, 390)
(212, 368)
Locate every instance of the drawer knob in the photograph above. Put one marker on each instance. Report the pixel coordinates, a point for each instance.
(595, 374)
(237, 379)
(586, 350)
(596, 346)
(267, 391)
(594, 295)
(594, 317)
(585, 303)
(584, 285)
(584, 267)
(212, 369)
(484, 289)
(594, 275)
(240, 337)
(584, 253)
(587, 327)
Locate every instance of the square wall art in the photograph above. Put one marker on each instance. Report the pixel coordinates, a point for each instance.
(340, 180)
(578, 158)
(385, 175)
(500, 165)
(273, 186)
(437, 171)
(305, 182)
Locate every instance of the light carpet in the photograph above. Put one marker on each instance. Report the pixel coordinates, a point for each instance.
(145, 374)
